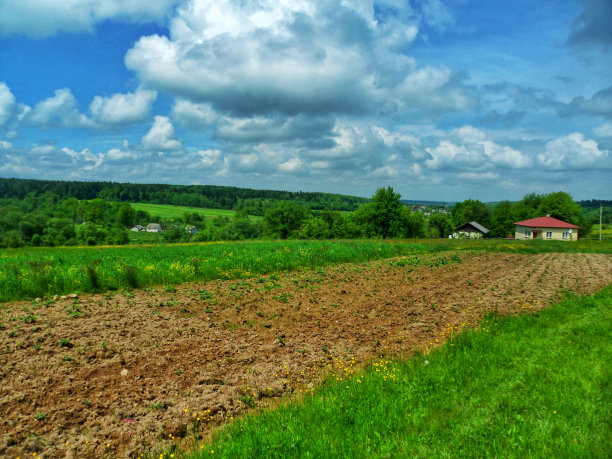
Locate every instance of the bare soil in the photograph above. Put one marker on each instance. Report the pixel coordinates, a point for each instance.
(122, 373)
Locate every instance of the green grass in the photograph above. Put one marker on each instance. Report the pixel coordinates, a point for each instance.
(27, 273)
(538, 385)
(176, 212)
(35, 272)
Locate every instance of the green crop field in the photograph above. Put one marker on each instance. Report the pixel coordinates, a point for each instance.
(537, 385)
(176, 212)
(35, 272)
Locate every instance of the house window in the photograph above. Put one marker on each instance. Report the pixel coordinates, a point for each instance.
(527, 234)
(565, 235)
(548, 234)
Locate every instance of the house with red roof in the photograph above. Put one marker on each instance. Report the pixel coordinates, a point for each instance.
(547, 228)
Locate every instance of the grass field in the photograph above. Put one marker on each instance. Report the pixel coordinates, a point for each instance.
(35, 272)
(29, 273)
(536, 385)
(176, 212)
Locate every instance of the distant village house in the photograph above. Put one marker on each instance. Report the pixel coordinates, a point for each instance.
(137, 228)
(191, 229)
(547, 228)
(470, 230)
(154, 228)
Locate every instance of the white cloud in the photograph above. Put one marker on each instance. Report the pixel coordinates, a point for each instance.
(193, 114)
(209, 157)
(260, 57)
(469, 148)
(121, 109)
(161, 136)
(572, 152)
(10, 110)
(61, 110)
(605, 130)
(291, 165)
(42, 18)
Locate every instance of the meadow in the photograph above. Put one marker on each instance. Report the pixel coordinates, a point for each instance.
(37, 272)
(536, 385)
(167, 211)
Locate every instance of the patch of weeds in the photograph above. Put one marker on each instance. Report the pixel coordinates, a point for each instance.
(433, 306)
(29, 319)
(67, 358)
(248, 400)
(86, 402)
(64, 342)
(229, 326)
(324, 349)
(205, 295)
(158, 407)
(283, 297)
(281, 340)
(170, 288)
(259, 313)
(40, 416)
(178, 371)
(209, 311)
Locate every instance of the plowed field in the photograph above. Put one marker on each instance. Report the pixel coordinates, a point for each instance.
(117, 374)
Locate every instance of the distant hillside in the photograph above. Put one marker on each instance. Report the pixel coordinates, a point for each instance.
(255, 202)
(427, 203)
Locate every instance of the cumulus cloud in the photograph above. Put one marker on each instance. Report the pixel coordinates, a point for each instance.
(11, 111)
(61, 110)
(161, 136)
(468, 148)
(193, 114)
(574, 152)
(264, 57)
(122, 109)
(42, 18)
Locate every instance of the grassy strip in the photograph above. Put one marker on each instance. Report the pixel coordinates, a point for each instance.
(176, 212)
(538, 385)
(30, 273)
(35, 272)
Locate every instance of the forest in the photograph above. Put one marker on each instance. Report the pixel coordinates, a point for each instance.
(47, 213)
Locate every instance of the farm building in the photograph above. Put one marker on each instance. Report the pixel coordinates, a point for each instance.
(154, 228)
(137, 228)
(547, 228)
(470, 230)
(191, 229)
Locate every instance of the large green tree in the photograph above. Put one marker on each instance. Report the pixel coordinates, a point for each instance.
(386, 212)
(471, 210)
(284, 219)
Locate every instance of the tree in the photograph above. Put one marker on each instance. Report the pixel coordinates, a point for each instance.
(386, 212)
(440, 225)
(471, 210)
(284, 219)
(414, 224)
(502, 220)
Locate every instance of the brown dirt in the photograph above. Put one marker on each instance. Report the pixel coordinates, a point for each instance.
(142, 367)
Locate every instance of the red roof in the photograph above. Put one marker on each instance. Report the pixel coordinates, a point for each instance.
(546, 222)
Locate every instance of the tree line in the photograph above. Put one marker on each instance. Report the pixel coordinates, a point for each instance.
(47, 220)
(254, 202)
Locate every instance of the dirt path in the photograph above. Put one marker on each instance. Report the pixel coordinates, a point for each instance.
(121, 373)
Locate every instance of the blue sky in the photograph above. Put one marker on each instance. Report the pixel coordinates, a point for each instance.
(440, 100)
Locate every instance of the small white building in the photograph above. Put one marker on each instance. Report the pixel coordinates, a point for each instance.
(470, 230)
(136, 228)
(547, 228)
(154, 228)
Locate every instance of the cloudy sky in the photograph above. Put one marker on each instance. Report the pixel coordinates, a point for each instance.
(442, 100)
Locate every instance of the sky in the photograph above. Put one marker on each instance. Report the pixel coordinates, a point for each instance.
(441, 100)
